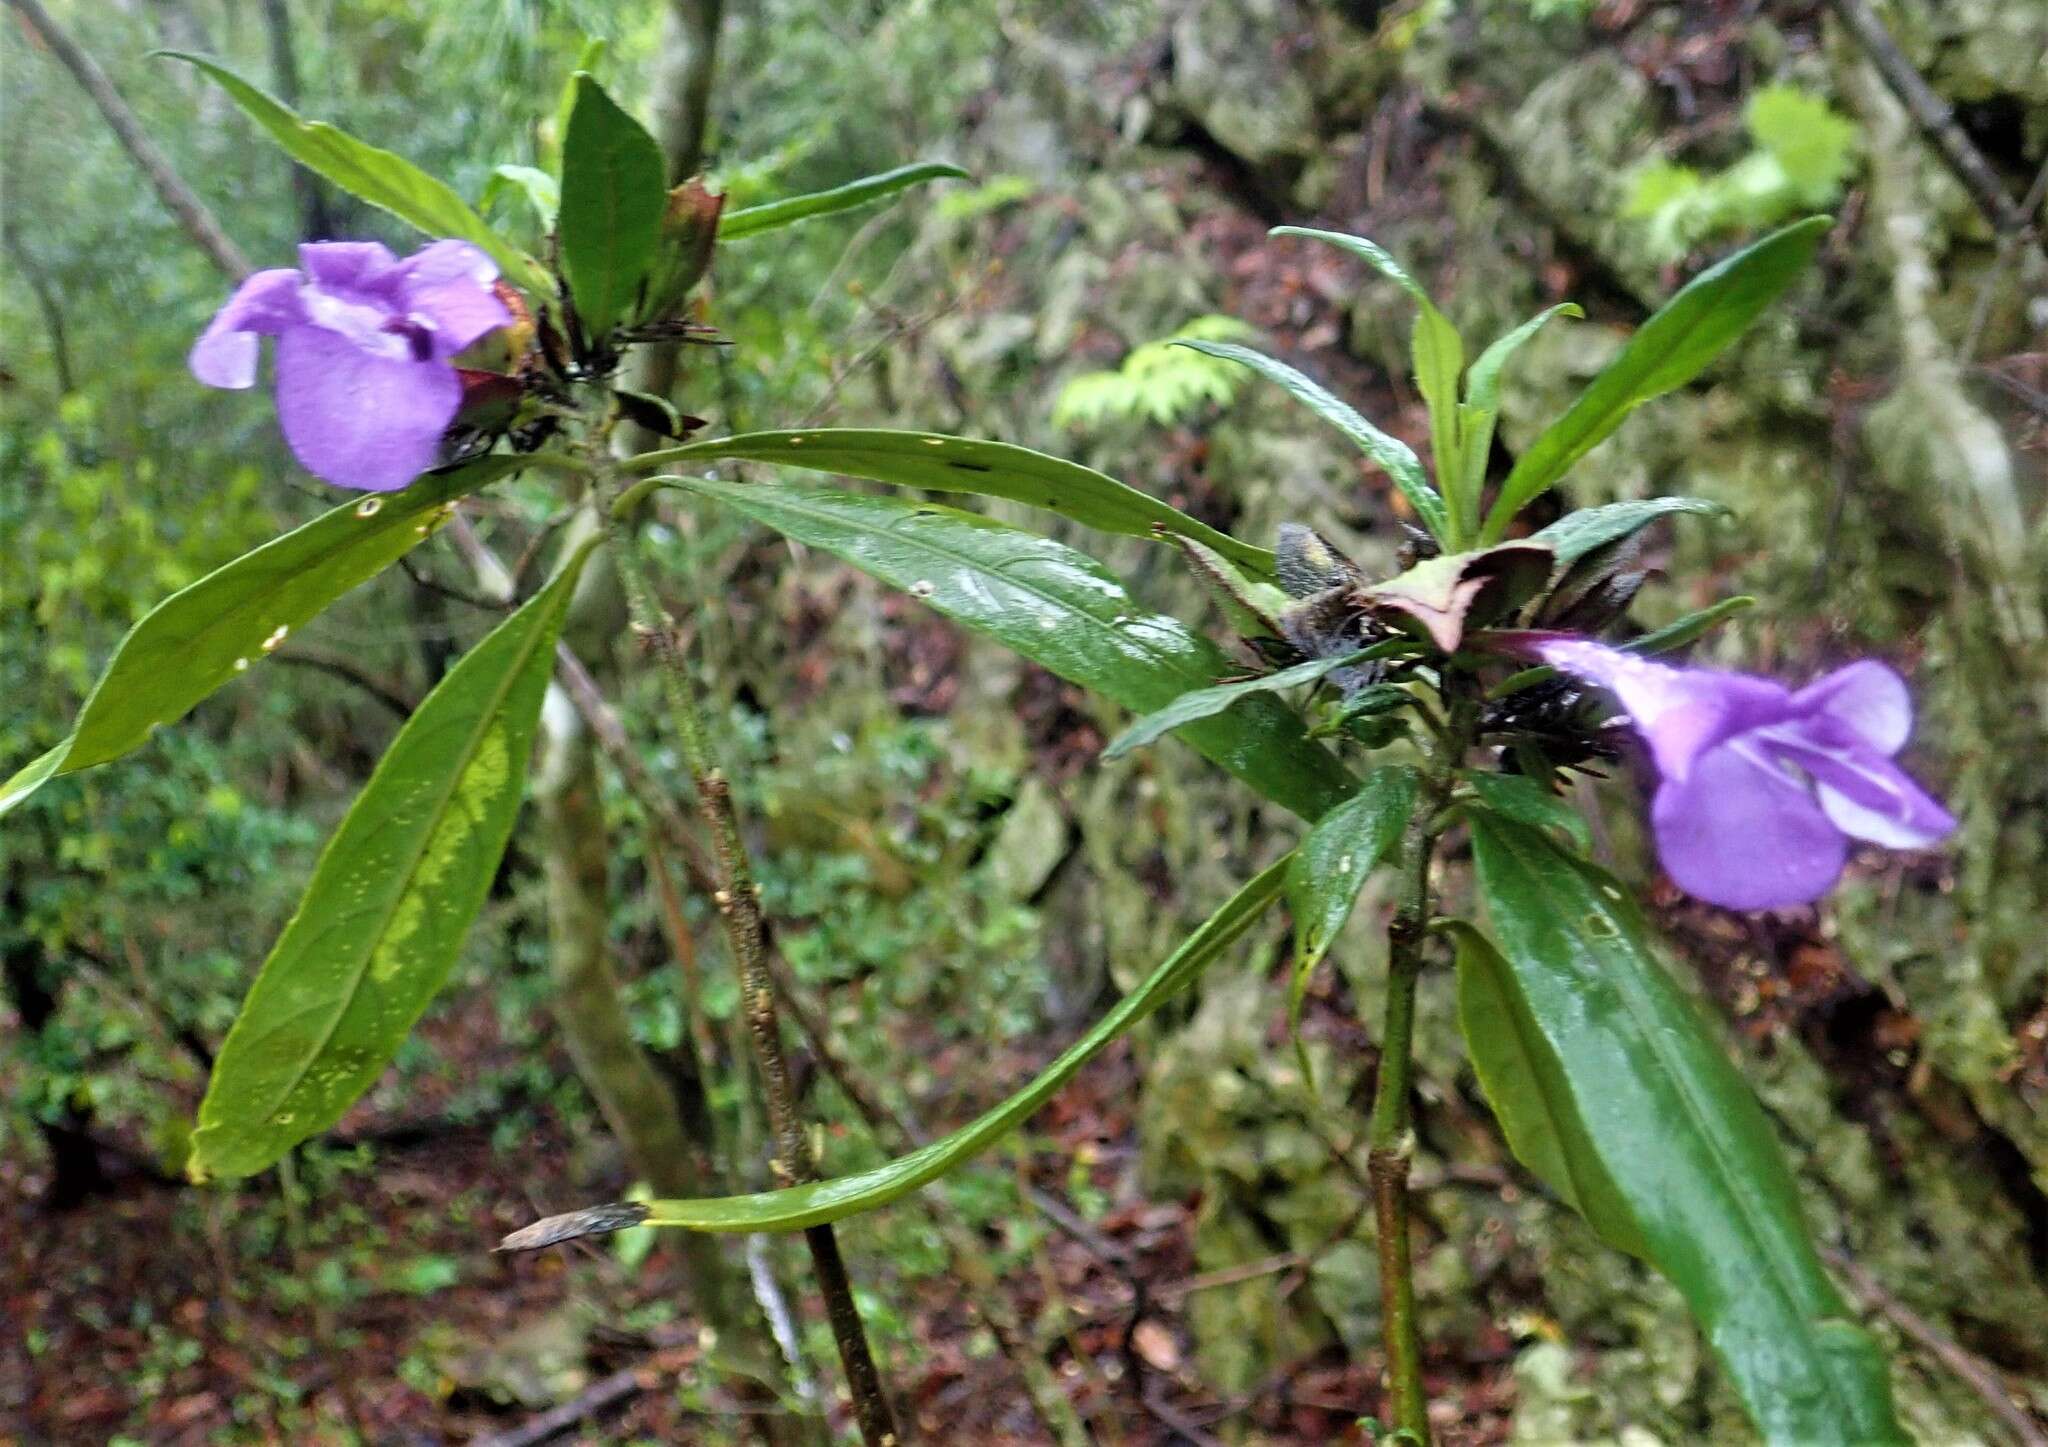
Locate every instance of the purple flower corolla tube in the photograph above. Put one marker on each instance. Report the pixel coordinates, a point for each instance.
(365, 381)
(1762, 787)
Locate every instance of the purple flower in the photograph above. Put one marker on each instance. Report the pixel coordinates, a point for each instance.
(365, 385)
(1762, 787)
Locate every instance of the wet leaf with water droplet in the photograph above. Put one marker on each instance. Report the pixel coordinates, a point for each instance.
(389, 903)
(1343, 849)
(1644, 1123)
(986, 469)
(202, 636)
(1009, 584)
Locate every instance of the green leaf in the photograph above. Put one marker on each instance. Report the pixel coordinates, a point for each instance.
(1482, 383)
(394, 893)
(1530, 1097)
(542, 191)
(204, 635)
(1368, 252)
(1204, 703)
(614, 187)
(1331, 866)
(1388, 452)
(1481, 408)
(1667, 351)
(957, 464)
(1439, 358)
(384, 180)
(1576, 534)
(1814, 146)
(755, 219)
(1642, 1093)
(796, 1207)
(1057, 607)
(1524, 800)
(1691, 626)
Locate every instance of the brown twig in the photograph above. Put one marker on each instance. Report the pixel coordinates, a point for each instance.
(737, 898)
(386, 691)
(1933, 116)
(178, 198)
(2008, 249)
(1974, 1373)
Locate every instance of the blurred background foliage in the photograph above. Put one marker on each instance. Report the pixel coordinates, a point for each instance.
(957, 882)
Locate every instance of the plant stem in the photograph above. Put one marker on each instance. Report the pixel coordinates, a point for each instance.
(1391, 1146)
(1391, 1140)
(739, 908)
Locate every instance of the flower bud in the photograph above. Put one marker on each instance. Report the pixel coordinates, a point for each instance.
(689, 229)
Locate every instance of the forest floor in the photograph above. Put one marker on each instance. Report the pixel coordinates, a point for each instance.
(161, 1313)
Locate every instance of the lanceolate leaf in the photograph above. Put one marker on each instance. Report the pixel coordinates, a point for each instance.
(1369, 252)
(1522, 799)
(1691, 626)
(1639, 1096)
(1439, 359)
(1482, 383)
(1481, 407)
(957, 464)
(1208, 702)
(378, 177)
(395, 891)
(226, 623)
(1388, 452)
(1331, 866)
(1055, 606)
(1667, 351)
(796, 1207)
(1530, 1099)
(614, 186)
(791, 209)
(1577, 533)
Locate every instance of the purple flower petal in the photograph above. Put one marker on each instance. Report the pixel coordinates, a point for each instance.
(225, 354)
(357, 418)
(1740, 832)
(1680, 712)
(1863, 792)
(448, 286)
(1867, 698)
(355, 266)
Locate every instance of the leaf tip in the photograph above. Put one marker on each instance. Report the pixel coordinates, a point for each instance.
(570, 1225)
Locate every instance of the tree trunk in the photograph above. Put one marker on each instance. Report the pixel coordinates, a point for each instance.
(315, 222)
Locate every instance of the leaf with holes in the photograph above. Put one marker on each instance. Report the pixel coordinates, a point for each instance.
(1346, 845)
(1522, 799)
(213, 631)
(390, 901)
